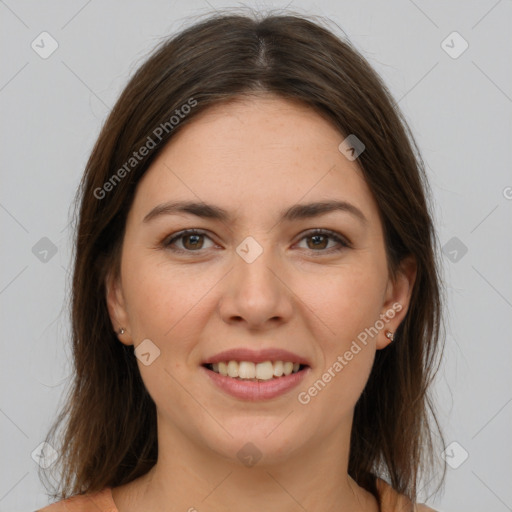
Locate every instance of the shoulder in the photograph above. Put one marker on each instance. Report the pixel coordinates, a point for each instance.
(100, 501)
(391, 500)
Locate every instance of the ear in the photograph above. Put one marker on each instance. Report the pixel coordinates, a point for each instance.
(116, 308)
(397, 299)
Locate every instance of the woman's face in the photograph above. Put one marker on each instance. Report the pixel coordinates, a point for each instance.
(256, 279)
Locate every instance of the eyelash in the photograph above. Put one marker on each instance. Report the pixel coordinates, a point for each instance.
(344, 243)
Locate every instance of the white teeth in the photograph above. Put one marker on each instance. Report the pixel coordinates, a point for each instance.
(246, 370)
(233, 369)
(264, 371)
(223, 369)
(278, 368)
(249, 370)
(288, 368)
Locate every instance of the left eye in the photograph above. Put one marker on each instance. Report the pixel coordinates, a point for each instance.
(192, 240)
(320, 237)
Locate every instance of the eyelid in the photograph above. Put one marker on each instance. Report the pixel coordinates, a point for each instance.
(327, 232)
(342, 240)
(180, 234)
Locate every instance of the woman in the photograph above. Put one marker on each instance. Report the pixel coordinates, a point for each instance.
(256, 301)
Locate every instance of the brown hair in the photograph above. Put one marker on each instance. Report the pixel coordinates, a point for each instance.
(109, 419)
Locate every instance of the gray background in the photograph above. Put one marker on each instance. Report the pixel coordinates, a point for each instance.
(459, 110)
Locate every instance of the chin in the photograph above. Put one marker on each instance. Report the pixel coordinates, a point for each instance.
(268, 442)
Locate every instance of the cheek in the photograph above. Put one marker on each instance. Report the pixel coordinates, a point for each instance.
(349, 306)
(149, 301)
(349, 303)
(348, 299)
(159, 296)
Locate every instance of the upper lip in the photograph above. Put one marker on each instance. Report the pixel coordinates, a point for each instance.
(256, 356)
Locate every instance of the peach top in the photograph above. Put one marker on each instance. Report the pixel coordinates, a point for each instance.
(102, 501)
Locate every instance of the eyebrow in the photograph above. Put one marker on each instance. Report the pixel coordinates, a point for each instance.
(295, 212)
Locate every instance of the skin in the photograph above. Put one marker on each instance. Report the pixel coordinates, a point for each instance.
(253, 157)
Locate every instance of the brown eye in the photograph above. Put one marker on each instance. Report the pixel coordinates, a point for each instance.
(318, 241)
(191, 240)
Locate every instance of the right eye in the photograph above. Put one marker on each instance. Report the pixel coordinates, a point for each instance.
(192, 240)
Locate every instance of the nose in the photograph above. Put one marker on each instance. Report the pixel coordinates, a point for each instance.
(255, 292)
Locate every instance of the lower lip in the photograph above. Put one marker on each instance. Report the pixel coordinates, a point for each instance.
(256, 391)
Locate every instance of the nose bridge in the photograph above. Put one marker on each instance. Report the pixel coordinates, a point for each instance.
(254, 292)
(255, 258)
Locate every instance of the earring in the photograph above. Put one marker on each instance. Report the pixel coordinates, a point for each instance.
(390, 335)
(121, 331)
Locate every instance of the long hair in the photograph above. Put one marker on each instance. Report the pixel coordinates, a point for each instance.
(108, 419)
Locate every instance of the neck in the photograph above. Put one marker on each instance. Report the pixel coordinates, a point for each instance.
(186, 477)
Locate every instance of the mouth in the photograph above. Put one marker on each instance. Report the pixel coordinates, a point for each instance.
(251, 381)
(255, 375)
(250, 371)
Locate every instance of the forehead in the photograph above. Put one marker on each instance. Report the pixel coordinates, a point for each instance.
(254, 152)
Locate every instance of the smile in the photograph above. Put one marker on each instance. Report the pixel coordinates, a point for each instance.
(255, 381)
(247, 370)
